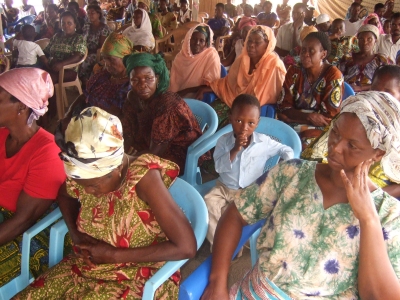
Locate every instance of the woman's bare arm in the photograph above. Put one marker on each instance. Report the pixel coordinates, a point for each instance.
(226, 238)
(181, 241)
(29, 210)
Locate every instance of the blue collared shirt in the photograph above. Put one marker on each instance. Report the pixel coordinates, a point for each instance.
(249, 163)
(217, 24)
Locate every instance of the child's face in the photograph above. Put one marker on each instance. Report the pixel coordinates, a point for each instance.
(338, 27)
(244, 119)
(386, 84)
(386, 27)
(184, 6)
(247, 12)
(137, 18)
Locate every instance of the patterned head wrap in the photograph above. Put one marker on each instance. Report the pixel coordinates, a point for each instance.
(146, 2)
(369, 28)
(93, 144)
(204, 30)
(374, 16)
(32, 86)
(379, 113)
(117, 45)
(154, 61)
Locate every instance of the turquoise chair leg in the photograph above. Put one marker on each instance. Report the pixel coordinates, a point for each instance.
(25, 278)
(56, 247)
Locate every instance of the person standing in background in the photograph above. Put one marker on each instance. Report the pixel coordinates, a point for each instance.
(283, 10)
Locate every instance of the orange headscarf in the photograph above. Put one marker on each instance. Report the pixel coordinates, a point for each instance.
(266, 80)
(190, 70)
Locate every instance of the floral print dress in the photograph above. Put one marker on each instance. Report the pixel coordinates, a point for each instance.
(122, 220)
(92, 42)
(304, 249)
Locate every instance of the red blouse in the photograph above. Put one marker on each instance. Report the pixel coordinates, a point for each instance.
(36, 169)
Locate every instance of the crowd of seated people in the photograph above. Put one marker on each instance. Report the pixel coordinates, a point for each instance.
(127, 138)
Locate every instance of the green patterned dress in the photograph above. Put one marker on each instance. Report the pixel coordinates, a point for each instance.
(304, 249)
(122, 220)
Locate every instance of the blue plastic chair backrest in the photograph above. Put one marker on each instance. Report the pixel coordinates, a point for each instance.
(194, 208)
(348, 91)
(224, 72)
(205, 116)
(278, 130)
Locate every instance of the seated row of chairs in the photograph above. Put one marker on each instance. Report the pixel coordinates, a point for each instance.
(186, 191)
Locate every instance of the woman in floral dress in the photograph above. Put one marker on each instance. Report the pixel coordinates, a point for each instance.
(330, 233)
(118, 212)
(95, 34)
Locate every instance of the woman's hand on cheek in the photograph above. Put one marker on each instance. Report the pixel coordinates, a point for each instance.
(358, 192)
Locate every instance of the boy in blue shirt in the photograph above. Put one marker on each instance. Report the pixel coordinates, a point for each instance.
(240, 157)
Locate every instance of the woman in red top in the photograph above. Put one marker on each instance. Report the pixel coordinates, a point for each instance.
(30, 170)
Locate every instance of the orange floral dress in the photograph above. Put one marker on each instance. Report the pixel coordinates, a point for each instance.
(122, 220)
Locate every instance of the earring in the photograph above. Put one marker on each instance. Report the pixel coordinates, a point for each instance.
(19, 113)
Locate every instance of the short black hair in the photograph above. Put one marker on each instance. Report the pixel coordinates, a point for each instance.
(53, 7)
(393, 71)
(248, 6)
(67, 13)
(338, 20)
(265, 3)
(354, 4)
(395, 16)
(74, 4)
(183, 1)
(221, 5)
(379, 6)
(300, 5)
(245, 99)
(28, 32)
(96, 8)
(322, 38)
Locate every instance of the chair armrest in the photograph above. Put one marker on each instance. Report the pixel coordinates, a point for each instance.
(27, 237)
(160, 277)
(56, 245)
(194, 285)
(195, 153)
(268, 110)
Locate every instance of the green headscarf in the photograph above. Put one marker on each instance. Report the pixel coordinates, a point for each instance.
(117, 45)
(154, 61)
(204, 30)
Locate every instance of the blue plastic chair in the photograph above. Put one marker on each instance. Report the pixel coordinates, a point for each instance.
(194, 285)
(192, 205)
(271, 127)
(23, 21)
(206, 117)
(16, 285)
(348, 91)
(210, 96)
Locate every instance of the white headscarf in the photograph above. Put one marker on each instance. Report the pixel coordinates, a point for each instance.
(379, 113)
(142, 36)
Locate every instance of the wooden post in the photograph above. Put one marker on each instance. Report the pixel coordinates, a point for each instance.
(1, 30)
(195, 9)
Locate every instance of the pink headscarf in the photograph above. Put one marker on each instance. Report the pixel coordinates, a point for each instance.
(246, 21)
(31, 86)
(371, 16)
